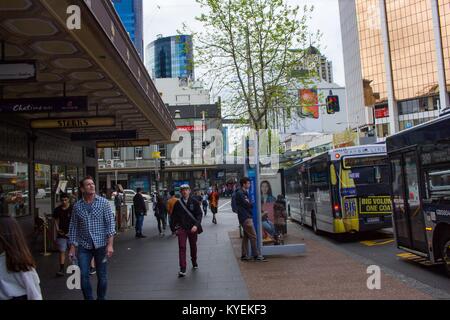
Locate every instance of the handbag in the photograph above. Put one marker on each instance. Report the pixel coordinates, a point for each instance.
(199, 226)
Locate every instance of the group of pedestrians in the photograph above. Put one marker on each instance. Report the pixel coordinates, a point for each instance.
(87, 229)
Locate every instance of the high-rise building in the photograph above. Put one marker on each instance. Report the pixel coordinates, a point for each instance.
(315, 61)
(131, 14)
(396, 59)
(170, 57)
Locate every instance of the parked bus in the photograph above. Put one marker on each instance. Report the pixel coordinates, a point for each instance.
(345, 190)
(420, 170)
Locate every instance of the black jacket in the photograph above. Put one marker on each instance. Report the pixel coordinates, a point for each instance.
(139, 204)
(181, 219)
(244, 206)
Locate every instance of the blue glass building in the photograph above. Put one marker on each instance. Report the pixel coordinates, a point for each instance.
(170, 57)
(131, 14)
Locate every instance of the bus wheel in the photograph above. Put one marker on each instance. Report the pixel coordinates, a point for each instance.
(446, 255)
(314, 223)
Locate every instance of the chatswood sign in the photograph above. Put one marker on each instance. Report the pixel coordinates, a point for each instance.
(209, 148)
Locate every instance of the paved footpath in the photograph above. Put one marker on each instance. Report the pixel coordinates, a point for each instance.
(147, 269)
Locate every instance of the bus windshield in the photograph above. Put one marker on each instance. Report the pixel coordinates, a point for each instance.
(368, 175)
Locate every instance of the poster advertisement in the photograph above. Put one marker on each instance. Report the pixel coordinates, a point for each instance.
(309, 102)
(273, 213)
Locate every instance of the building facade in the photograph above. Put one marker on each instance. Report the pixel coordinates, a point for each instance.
(170, 57)
(132, 16)
(182, 91)
(396, 59)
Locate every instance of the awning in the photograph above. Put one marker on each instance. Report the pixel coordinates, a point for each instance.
(98, 61)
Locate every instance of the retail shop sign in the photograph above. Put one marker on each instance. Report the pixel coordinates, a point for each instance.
(72, 123)
(17, 71)
(123, 143)
(103, 135)
(36, 105)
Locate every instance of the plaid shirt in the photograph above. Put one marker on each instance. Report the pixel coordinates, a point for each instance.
(91, 224)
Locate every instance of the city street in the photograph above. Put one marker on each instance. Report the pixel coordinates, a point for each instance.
(330, 269)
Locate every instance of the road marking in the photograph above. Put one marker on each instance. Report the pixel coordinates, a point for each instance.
(380, 242)
(415, 258)
(224, 205)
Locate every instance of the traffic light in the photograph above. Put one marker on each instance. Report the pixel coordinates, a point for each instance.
(162, 164)
(332, 104)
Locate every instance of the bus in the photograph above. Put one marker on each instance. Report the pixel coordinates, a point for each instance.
(345, 190)
(420, 172)
(291, 188)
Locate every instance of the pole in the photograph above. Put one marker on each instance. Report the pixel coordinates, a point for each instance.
(203, 150)
(258, 194)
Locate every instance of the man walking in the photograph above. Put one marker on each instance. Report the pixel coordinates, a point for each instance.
(62, 215)
(186, 220)
(91, 235)
(140, 211)
(244, 212)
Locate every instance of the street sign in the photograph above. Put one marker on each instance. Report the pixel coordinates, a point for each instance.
(103, 135)
(35, 105)
(17, 71)
(72, 123)
(123, 143)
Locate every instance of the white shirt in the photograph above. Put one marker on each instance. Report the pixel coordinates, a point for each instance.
(17, 284)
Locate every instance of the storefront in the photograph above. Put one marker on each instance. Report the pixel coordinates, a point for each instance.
(35, 168)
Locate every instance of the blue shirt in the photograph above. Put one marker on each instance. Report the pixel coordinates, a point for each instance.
(91, 224)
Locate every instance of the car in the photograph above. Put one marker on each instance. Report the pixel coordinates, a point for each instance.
(129, 193)
(40, 194)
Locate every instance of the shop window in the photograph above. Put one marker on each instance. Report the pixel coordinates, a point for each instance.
(14, 197)
(138, 153)
(42, 192)
(101, 153)
(116, 153)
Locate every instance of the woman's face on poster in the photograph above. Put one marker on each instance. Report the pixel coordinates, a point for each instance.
(265, 188)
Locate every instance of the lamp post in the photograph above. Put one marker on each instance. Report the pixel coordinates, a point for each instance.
(204, 145)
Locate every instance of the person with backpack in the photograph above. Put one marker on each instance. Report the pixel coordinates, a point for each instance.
(280, 215)
(205, 203)
(186, 220)
(161, 215)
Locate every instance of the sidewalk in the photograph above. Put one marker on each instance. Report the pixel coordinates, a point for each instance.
(324, 272)
(148, 268)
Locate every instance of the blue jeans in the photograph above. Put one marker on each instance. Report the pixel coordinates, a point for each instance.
(269, 227)
(139, 223)
(84, 262)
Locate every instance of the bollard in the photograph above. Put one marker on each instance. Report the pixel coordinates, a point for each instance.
(45, 228)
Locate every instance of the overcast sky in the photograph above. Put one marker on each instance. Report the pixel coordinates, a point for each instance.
(167, 16)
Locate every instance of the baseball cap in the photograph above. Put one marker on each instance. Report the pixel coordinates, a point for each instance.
(184, 186)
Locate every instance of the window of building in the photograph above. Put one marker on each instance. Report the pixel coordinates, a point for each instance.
(382, 130)
(138, 152)
(162, 150)
(101, 153)
(116, 153)
(14, 195)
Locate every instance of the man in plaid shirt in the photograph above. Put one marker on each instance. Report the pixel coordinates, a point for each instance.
(92, 229)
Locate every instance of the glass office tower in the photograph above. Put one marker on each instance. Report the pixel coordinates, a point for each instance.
(131, 14)
(170, 57)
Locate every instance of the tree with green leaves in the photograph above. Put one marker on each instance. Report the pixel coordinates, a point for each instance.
(254, 54)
